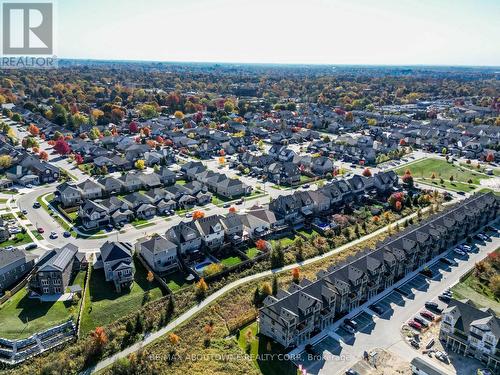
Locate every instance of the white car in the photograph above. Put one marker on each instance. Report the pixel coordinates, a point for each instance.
(14, 230)
(458, 251)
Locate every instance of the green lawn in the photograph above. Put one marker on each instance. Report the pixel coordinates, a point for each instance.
(231, 261)
(481, 299)
(454, 186)
(20, 309)
(139, 222)
(308, 233)
(104, 305)
(260, 345)
(252, 252)
(17, 239)
(3, 200)
(176, 281)
(424, 169)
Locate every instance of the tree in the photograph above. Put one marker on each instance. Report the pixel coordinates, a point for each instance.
(173, 339)
(296, 275)
(94, 133)
(43, 155)
(275, 285)
(5, 161)
(62, 147)
(178, 115)
(133, 127)
(398, 205)
(367, 172)
(78, 159)
(349, 117)
(408, 178)
(495, 285)
(266, 289)
(100, 337)
(148, 111)
(201, 288)
(198, 215)
(140, 164)
(451, 178)
(33, 130)
(150, 277)
(261, 244)
(490, 157)
(232, 209)
(371, 122)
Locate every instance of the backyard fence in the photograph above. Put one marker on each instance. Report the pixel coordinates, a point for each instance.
(157, 278)
(82, 302)
(16, 288)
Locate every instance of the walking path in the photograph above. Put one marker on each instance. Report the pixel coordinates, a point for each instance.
(213, 297)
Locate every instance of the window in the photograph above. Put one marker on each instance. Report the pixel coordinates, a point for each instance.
(45, 282)
(46, 290)
(58, 290)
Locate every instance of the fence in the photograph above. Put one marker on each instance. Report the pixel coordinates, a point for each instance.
(16, 288)
(82, 302)
(157, 278)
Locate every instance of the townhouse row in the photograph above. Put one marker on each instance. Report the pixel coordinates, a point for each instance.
(293, 316)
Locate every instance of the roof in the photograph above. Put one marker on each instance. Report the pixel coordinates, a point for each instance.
(111, 251)
(157, 244)
(426, 367)
(58, 259)
(10, 256)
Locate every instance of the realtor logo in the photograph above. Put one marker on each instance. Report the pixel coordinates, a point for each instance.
(27, 29)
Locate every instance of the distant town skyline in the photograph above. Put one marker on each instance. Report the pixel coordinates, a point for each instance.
(386, 32)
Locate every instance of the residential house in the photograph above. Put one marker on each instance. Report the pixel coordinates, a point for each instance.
(185, 236)
(14, 265)
(159, 253)
(115, 258)
(93, 214)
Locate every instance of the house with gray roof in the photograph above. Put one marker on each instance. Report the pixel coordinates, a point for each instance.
(14, 265)
(159, 253)
(115, 258)
(472, 331)
(55, 270)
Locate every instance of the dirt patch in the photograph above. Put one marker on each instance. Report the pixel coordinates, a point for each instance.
(382, 362)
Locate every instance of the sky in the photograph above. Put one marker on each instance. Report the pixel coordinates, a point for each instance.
(386, 32)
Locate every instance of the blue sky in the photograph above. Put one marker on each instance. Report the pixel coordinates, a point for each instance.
(436, 32)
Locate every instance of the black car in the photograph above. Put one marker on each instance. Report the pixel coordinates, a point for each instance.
(433, 306)
(31, 246)
(67, 234)
(377, 309)
(37, 205)
(351, 323)
(415, 344)
(351, 372)
(444, 298)
(227, 205)
(420, 321)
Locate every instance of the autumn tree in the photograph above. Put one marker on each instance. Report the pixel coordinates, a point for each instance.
(367, 172)
(266, 289)
(78, 159)
(490, 157)
(232, 209)
(5, 161)
(140, 164)
(133, 127)
(261, 244)
(201, 288)
(43, 155)
(33, 130)
(198, 215)
(173, 339)
(296, 275)
(62, 147)
(179, 115)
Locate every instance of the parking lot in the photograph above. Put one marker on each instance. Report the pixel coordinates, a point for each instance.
(326, 349)
(386, 303)
(417, 283)
(365, 322)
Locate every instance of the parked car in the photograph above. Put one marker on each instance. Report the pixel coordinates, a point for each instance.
(415, 325)
(37, 205)
(351, 372)
(239, 202)
(444, 298)
(189, 214)
(420, 321)
(67, 234)
(40, 230)
(433, 306)
(427, 315)
(306, 186)
(459, 251)
(227, 205)
(31, 246)
(54, 236)
(430, 344)
(348, 328)
(29, 186)
(379, 310)
(351, 323)
(24, 212)
(415, 344)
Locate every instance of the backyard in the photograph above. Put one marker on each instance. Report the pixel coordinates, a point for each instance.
(20, 316)
(104, 305)
(254, 344)
(176, 281)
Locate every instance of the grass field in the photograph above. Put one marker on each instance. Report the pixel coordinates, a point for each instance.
(424, 169)
(231, 261)
(104, 305)
(39, 316)
(254, 344)
(176, 281)
(463, 290)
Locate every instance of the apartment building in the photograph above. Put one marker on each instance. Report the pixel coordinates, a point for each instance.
(293, 316)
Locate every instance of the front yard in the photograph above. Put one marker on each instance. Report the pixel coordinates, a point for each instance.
(20, 316)
(17, 240)
(104, 305)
